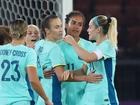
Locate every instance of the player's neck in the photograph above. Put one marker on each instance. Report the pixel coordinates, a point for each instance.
(17, 42)
(101, 39)
(49, 38)
(77, 38)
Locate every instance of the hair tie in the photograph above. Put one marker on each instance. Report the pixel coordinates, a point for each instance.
(95, 20)
(109, 20)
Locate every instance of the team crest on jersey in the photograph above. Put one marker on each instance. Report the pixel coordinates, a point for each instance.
(40, 49)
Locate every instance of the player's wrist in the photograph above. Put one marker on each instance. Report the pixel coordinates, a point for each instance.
(46, 100)
(86, 78)
(74, 44)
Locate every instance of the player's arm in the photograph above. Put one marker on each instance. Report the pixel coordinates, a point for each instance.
(34, 80)
(48, 73)
(94, 78)
(83, 54)
(82, 71)
(71, 76)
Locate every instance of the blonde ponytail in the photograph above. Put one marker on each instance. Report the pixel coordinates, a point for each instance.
(112, 32)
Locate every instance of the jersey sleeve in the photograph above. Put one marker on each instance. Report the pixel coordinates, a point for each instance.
(57, 57)
(32, 59)
(107, 50)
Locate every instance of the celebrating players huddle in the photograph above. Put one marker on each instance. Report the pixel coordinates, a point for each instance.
(49, 69)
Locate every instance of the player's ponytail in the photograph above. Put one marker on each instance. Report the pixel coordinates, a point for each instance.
(109, 27)
(112, 32)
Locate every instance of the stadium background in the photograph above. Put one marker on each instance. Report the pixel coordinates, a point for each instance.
(126, 11)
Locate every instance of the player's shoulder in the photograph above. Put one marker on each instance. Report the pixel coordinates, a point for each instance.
(46, 45)
(62, 44)
(46, 42)
(40, 42)
(26, 49)
(107, 48)
(5, 45)
(85, 41)
(106, 44)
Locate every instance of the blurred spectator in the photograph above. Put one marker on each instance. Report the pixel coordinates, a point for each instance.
(4, 35)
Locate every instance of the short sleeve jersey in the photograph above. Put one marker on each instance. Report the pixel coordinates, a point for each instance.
(73, 91)
(49, 56)
(106, 67)
(13, 63)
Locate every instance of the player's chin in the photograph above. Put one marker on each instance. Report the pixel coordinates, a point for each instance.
(90, 37)
(59, 38)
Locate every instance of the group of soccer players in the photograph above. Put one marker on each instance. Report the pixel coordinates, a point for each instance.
(57, 70)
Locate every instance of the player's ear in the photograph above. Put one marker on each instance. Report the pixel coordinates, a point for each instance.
(47, 31)
(99, 29)
(66, 25)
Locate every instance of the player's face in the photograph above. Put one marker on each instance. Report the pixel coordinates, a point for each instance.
(56, 30)
(32, 34)
(92, 31)
(74, 26)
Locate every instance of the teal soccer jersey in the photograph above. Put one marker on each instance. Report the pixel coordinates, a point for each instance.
(13, 77)
(103, 93)
(50, 56)
(72, 92)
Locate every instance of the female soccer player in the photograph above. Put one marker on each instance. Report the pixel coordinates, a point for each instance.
(103, 29)
(18, 68)
(33, 35)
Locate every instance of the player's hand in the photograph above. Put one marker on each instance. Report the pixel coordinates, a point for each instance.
(48, 73)
(84, 68)
(94, 78)
(69, 39)
(49, 103)
(66, 75)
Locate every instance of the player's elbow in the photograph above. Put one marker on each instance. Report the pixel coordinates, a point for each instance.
(91, 58)
(88, 59)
